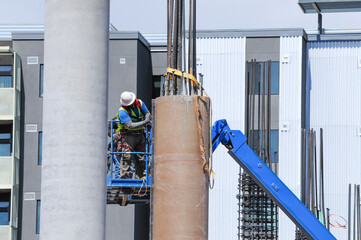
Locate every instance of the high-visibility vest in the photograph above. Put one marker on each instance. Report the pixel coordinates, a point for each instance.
(133, 116)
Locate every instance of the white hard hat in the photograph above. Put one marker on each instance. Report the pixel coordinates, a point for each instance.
(127, 98)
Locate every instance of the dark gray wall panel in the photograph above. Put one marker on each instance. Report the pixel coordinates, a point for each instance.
(263, 49)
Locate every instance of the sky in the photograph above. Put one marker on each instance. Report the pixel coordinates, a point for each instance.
(149, 16)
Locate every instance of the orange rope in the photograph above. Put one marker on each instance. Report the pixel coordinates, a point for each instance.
(337, 224)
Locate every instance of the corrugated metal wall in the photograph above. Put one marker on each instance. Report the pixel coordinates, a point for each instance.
(290, 108)
(334, 75)
(222, 61)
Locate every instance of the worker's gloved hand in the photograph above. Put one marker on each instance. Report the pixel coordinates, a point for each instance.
(148, 122)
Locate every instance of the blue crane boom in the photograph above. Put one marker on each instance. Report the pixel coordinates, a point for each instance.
(235, 141)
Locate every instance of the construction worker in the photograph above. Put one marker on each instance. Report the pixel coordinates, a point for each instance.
(133, 116)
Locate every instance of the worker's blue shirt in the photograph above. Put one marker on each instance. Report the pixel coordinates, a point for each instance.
(124, 116)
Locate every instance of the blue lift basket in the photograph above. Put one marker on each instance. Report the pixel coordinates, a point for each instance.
(125, 191)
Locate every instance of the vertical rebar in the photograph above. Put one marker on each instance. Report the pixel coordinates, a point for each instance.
(169, 32)
(190, 41)
(303, 168)
(264, 116)
(349, 212)
(322, 191)
(179, 36)
(310, 171)
(194, 37)
(252, 103)
(247, 100)
(184, 35)
(315, 175)
(269, 110)
(354, 212)
(175, 36)
(259, 109)
(358, 213)
(328, 218)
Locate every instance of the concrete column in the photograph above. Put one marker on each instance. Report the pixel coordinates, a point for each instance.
(74, 122)
(180, 193)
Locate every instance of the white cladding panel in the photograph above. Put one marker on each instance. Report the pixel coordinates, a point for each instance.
(290, 107)
(222, 61)
(335, 96)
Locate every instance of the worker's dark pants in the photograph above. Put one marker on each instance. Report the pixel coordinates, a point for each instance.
(131, 143)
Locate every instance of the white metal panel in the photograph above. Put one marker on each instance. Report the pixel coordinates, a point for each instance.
(335, 106)
(222, 61)
(290, 106)
(5, 232)
(6, 170)
(6, 103)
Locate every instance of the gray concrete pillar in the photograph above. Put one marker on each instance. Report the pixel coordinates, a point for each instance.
(73, 191)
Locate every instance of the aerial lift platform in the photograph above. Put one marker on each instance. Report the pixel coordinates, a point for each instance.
(131, 190)
(137, 191)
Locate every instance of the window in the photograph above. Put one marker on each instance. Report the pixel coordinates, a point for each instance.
(274, 75)
(5, 140)
(41, 82)
(274, 143)
(156, 86)
(40, 148)
(6, 79)
(4, 208)
(38, 203)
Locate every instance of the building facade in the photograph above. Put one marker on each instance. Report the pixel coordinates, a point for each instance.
(315, 83)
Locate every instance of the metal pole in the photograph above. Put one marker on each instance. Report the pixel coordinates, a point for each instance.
(315, 175)
(169, 32)
(349, 212)
(354, 212)
(184, 35)
(190, 42)
(259, 109)
(310, 171)
(194, 38)
(303, 168)
(269, 110)
(201, 82)
(358, 213)
(322, 191)
(175, 37)
(180, 30)
(247, 100)
(328, 218)
(253, 101)
(264, 116)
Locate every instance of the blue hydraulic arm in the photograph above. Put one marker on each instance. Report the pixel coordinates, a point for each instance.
(235, 141)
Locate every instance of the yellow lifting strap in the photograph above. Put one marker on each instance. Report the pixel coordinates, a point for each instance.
(185, 75)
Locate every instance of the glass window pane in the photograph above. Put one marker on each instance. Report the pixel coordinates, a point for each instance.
(5, 140)
(38, 217)
(5, 68)
(5, 149)
(5, 136)
(275, 72)
(259, 77)
(274, 145)
(6, 81)
(4, 208)
(40, 148)
(41, 86)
